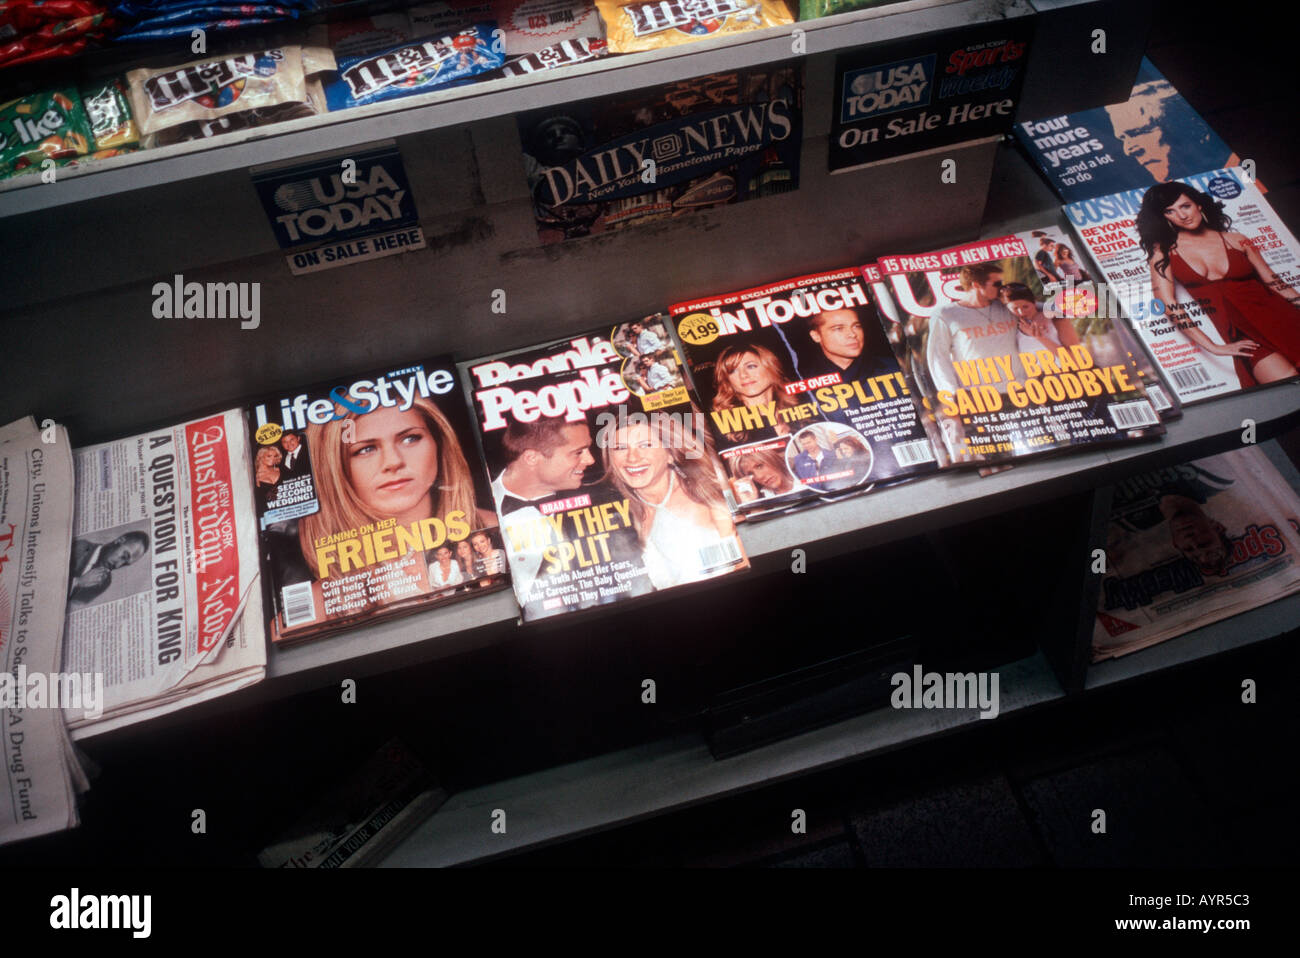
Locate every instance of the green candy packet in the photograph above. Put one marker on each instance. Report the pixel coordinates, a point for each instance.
(47, 125)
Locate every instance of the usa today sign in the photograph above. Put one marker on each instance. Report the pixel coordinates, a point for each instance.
(340, 209)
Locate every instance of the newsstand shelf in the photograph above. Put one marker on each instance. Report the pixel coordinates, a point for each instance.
(608, 76)
(623, 787)
(863, 522)
(1246, 628)
(620, 788)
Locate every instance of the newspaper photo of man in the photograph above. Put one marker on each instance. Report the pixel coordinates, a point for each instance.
(94, 563)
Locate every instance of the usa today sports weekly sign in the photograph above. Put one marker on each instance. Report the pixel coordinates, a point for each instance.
(924, 93)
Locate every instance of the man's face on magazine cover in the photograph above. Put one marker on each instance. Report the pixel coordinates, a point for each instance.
(565, 466)
(1196, 536)
(991, 285)
(839, 334)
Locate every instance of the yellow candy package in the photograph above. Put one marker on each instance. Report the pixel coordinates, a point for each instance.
(653, 24)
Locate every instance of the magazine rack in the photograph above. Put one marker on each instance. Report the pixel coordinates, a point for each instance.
(79, 320)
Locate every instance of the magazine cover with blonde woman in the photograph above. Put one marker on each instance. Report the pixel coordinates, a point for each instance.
(370, 500)
(603, 474)
(805, 396)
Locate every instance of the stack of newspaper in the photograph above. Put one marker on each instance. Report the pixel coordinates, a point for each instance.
(164, 603)
(44, 774)
(1193, 544)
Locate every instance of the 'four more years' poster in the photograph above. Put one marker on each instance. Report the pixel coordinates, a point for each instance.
(929, 92)
(601, 165)
(1153, 136)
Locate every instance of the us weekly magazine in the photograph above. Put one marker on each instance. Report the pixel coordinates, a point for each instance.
(805, 397)
(370, 500)
(1208, 274)
(604, 476)
(1006, 370)
(1193, 544)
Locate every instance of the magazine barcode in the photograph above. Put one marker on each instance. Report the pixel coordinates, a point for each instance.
(298, 605)
(1157, 395)
(1130, 414)
(910, 453)
(720, 555)
(1189, 376)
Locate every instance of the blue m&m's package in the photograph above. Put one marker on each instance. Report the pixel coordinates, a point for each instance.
(419, 66)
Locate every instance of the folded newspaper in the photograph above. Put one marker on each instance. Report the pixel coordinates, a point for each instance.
(163, 573)
(1193, 544)
(359, 821)
(43, 771)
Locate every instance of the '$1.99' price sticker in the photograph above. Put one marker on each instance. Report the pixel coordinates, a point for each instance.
(698, 329)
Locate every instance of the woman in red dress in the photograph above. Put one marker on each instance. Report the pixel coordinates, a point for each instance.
(1187, 238)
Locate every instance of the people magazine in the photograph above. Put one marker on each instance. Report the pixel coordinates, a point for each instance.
(603, 474)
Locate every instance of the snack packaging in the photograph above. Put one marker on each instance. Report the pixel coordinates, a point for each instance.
(560, 55)
(653, 24)
(207, 89)
(315, 61)
(110, 114)
(47, 125)
(417, 67)
(363, 35)
(447, 16)
(812, 9)
(147, 31)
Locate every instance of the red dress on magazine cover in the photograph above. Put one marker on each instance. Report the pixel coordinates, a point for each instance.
(1240, 305)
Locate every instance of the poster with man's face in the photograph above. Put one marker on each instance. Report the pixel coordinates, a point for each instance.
(1151, 137)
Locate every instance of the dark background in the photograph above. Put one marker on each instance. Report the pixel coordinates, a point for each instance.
(1188, 775)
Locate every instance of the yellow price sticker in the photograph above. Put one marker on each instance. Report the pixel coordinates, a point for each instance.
(698, 329)
(269, 434)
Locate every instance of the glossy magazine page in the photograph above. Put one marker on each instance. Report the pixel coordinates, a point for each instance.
(804, 394)
(370, 499)
(603, 474)
(1004, 378)
(1209, 276)
(1151, 137)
